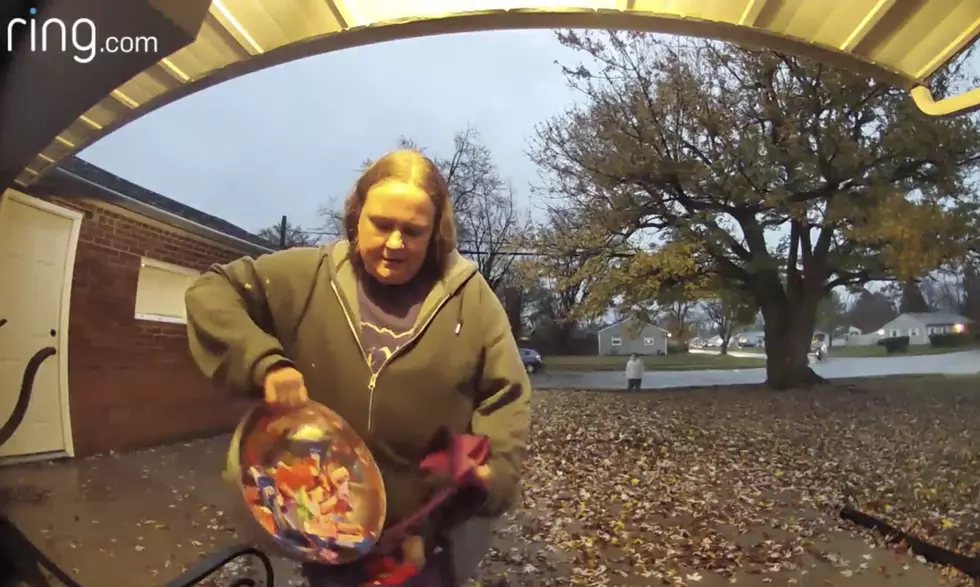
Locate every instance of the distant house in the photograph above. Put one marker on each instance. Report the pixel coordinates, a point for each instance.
(855, 337)
(626, 337)
(755, 338)
(918, 326)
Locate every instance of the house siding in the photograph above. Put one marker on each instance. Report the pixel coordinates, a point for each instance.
(132, 383)
(632, 342)
(939, 322)
(901, 325)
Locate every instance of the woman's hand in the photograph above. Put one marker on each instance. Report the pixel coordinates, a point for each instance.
(483, 473)
(413, 551)
(284, 388)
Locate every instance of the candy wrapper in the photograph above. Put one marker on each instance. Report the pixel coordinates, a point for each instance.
(312, 485)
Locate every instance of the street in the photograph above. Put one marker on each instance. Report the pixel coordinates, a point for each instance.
(835, 368)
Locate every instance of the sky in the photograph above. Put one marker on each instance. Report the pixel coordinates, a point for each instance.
(290, 139)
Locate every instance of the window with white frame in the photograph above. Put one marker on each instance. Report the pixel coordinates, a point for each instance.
(616, 341)
(913, 332)
(160, 291)
(649, 341)
(893, 333)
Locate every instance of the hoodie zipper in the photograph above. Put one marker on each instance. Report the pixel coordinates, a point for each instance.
(360, 347)
(373, 381)
(374, 376)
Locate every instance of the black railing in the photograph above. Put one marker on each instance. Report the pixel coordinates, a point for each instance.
(22, 562)
(26, 389)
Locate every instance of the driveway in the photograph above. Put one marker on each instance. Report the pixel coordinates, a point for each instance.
(129, 519)
(835, 368)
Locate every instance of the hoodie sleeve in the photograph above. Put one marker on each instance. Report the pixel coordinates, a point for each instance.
(503, 414)
(231, 325)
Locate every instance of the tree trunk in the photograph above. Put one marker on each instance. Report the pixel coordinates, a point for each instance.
(563, 336)
(789, 331)
(725, 331)
(514, 302)
(726, 339)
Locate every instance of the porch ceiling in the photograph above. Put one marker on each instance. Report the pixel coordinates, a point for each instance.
(901, 41)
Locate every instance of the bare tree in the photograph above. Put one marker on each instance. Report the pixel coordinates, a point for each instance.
(491, 227)
(832, 315)
(949, 293)
(676, 306)
(496, 229)
(559, 283)
(332, 213)
(870, 310)
(296, 235)
(472, 177)
(515, 292)
(728, 311)
(470, 174)
(956, 289)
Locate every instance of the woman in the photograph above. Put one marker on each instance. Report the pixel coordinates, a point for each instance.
(396, 332)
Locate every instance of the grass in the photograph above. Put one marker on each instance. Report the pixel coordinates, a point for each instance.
(875, 350)
(677, 362)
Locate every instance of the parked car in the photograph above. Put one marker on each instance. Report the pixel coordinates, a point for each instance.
(750, 341)
(532, 360)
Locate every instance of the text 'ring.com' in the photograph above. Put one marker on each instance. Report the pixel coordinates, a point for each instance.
(80, 37)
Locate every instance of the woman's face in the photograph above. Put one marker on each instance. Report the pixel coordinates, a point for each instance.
(394, 230)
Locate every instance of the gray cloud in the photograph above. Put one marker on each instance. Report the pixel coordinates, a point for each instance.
(288, 139)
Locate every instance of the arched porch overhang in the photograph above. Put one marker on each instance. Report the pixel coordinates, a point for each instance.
(903, 42)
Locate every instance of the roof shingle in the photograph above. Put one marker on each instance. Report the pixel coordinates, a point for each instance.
(113, 182)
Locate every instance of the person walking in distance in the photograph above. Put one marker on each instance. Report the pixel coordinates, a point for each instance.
(634, 373)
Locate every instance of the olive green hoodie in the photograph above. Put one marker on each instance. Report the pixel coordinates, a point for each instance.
(461, 369)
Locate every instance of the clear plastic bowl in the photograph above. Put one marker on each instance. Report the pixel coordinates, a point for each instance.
(308, 481)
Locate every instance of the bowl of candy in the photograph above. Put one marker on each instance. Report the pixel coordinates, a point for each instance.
(309, 482)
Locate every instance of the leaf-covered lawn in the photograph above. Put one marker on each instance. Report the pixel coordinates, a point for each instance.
(685, 487)
(708, 487)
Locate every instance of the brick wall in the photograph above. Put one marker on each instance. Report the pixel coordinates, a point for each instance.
(132, 383)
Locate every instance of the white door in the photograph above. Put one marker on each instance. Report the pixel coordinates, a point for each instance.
(37, 253)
